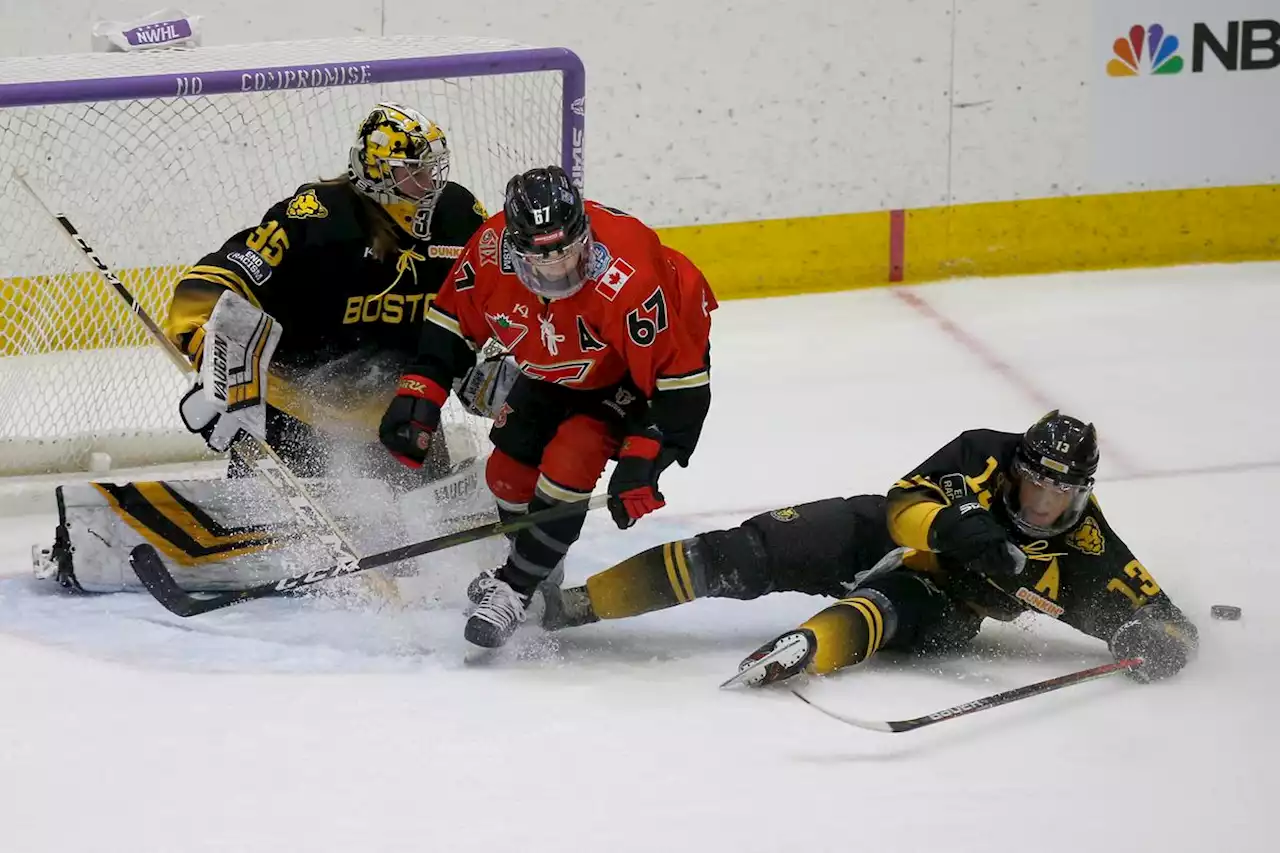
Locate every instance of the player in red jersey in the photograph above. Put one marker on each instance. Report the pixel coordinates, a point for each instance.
(610, 330)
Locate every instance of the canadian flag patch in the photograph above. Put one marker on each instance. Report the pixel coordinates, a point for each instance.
(614, 279)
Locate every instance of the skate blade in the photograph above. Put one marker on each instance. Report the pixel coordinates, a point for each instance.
(786, 650)
(479, 656)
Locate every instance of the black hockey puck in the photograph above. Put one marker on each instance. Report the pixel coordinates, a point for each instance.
(1225, 611)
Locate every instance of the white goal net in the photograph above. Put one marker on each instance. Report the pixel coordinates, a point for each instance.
(158, 157)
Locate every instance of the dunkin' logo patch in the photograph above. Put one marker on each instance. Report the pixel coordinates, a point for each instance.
(1039, 602)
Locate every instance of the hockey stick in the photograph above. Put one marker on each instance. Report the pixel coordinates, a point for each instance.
(972, 707)
(268, 463)
(178, 359)
(150, 569)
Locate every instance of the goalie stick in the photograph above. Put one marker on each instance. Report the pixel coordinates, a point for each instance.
(150, 569)
(975, 705)
(268, 464)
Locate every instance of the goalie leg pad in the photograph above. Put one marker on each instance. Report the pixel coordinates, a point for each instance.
(56, 562)
(229, 534)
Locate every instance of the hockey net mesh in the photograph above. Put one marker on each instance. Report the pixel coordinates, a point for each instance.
(154, 184)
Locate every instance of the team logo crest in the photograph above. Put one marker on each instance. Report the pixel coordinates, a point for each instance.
(507, 332)
(786, 514)
(306, 206)
(1087, 538)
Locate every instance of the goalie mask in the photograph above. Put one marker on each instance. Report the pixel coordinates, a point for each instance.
(549, 233)
(401, 160)
(1052, 475)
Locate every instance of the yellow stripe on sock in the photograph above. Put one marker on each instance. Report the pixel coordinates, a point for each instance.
(683, 566)
(671, 574)
(873, 639)
(879, 621)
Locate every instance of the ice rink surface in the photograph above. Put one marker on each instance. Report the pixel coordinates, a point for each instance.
(322, 726)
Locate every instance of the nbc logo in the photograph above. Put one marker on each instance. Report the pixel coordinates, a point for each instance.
(1162, 52)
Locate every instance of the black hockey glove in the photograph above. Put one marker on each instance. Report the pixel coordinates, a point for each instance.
(411, 419)
(1164, 641)
(969, 535)
(633, 488)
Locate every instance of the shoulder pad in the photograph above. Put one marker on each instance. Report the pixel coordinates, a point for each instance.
(456, 199)
(457, 216)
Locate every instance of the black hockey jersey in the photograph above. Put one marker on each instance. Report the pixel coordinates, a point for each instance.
(1086, 577)
(338, 274)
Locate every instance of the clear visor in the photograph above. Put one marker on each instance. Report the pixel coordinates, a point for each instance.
(558, 274)
(1041, 506)
(415, 180)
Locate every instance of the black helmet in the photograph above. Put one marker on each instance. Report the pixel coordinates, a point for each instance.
(1052, 467)
(548, 231)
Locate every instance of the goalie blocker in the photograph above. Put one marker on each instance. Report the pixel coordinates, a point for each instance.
(230, 390)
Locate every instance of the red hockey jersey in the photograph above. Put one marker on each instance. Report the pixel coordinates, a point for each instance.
(644, 312)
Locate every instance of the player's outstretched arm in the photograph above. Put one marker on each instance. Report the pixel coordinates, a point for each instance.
(1116, 599)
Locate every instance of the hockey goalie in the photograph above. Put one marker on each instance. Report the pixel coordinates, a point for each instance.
(297, 329)
(221, 534)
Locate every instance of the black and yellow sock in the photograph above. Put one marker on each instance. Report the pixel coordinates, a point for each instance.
(848, 632)
(655, 579)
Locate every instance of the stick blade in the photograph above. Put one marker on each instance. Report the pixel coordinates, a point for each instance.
(150, 569)
(869, 725)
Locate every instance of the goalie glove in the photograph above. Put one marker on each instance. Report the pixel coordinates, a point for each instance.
(229, 394)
